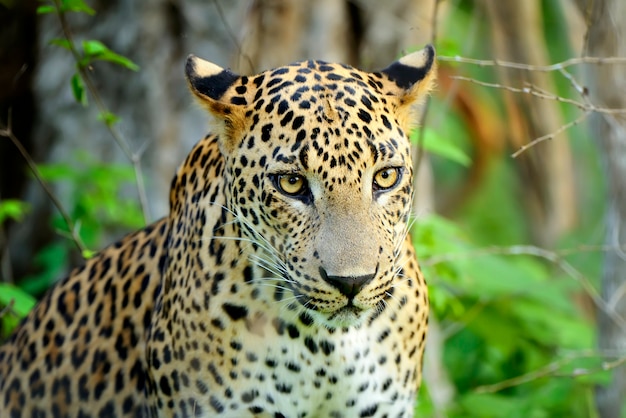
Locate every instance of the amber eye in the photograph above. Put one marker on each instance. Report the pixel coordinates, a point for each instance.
(291, 184)
(386, 178)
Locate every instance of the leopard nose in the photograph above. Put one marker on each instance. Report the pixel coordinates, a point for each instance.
(349, 286)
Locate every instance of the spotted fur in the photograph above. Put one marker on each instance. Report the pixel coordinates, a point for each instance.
(283, 283)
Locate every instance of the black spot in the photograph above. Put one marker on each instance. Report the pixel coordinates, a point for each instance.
(370, 411)
(297, 122)
(218, 378)
(293, 331)
(128, 404)
(283, 106)
(164, 385)
(108, 410)
(283, 388)
(364, 116)
(306, 319)
(247, 274)
(238, 100)
(235, 312)
(327, 347)
(249, 396)
(311, 345)
(386, 384)
(293, 367)
(202, 387)
(216, 404)
(266, 132)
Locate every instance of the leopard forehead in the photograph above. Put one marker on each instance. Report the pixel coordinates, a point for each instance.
(319, 115)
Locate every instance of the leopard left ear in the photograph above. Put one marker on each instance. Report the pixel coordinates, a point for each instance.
(413, 77)
(210, 83)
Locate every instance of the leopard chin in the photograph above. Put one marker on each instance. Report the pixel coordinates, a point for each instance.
(347, 316)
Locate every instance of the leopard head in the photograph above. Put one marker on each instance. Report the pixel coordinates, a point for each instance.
(318, 173)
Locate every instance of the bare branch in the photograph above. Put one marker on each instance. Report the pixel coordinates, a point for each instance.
(8, 308)
(418, 148)
(543, 68)
(553, 370)
(551, 135)
(533, 91)
(232, 36)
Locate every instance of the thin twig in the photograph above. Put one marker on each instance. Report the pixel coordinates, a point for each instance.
(418, 150)
(551, 135)
(8, 133)
(534, 92)
(134, 157)
(8, 308)
(232, 36)
(552, 369)
(542, 68)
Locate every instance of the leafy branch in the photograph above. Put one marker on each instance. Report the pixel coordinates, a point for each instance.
(554, 257)
(555, 369)
(72, 228)
(93, 50)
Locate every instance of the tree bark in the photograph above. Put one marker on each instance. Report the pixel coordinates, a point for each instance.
(606, 20)
(545, 170)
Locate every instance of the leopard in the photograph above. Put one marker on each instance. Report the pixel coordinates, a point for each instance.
(284, 280)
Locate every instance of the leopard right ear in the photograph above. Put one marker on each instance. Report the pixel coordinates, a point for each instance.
(209, 83)
(412, 77)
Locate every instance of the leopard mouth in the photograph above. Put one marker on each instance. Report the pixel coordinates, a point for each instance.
(348, 311)
(344, 316)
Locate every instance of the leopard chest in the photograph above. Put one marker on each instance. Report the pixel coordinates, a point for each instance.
(269, 367)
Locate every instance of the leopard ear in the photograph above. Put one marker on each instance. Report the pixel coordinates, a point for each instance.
(210, 83)
(413, 77)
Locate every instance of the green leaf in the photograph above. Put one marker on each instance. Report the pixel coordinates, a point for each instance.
(22, 301)
(62, 42)
(12, 209)
(108, 118)
(56, 172)
(76, 6)
(96, 50)
(448, 47)
(46, 9)
(491, 405)
(87, 254)
(78, 89)
(438, 145)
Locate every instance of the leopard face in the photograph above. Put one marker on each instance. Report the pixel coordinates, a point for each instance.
(319, 174)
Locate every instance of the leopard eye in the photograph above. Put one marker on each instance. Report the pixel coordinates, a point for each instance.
(387, 178)
(291, 184)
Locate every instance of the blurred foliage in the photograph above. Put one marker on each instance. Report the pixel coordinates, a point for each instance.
(95, 197)
(517, 340)
(504, 316)
(97, 204)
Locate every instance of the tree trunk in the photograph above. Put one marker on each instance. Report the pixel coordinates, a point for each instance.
(545, 170)
(606, 21)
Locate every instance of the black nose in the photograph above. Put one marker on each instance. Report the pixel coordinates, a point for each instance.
(350, 286)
